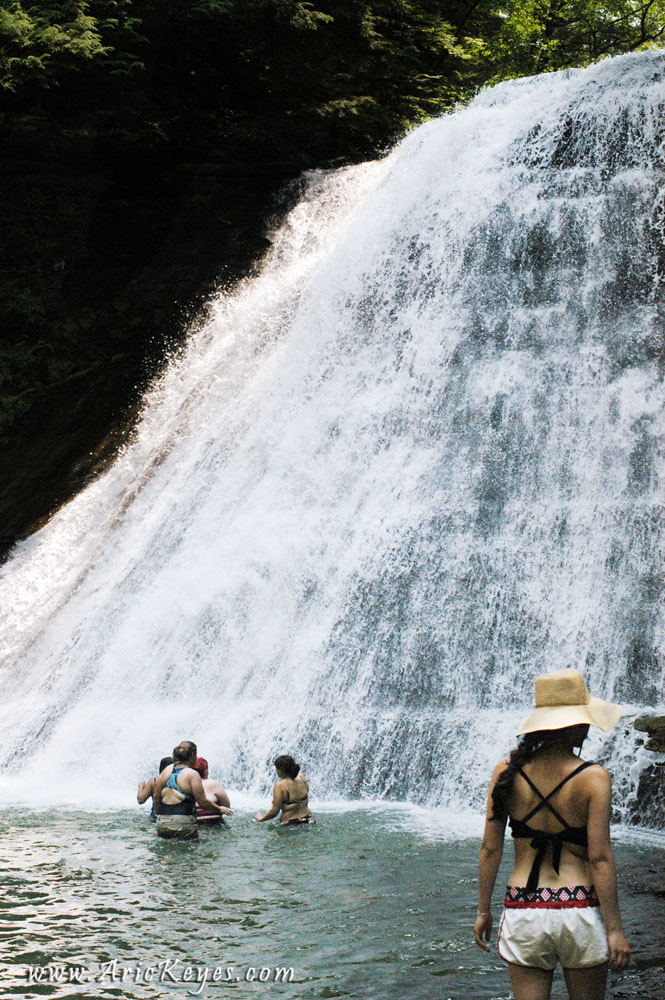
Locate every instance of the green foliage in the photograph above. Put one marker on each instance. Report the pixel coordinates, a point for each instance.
(299, 15)
(42, 44)
(540, 35)
(419, 54)
(246, 51)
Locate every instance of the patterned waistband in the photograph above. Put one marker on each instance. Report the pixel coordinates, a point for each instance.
(553, 899)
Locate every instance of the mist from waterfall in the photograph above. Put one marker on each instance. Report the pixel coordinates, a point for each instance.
(412, 464)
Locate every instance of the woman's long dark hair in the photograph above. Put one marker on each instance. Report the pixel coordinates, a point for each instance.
(288, 765)
(529, 747)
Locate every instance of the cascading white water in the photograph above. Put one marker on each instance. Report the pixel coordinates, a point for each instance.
(411, 465)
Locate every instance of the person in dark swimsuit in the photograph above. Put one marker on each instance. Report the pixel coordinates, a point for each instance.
(178, 791)
(290, 795)
(561, 902)
(146, 788)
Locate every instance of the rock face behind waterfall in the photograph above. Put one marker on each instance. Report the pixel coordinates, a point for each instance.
(122, 235)
(654, 726)
(414, 463)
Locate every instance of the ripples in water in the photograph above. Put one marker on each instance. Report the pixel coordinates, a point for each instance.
(364, 905)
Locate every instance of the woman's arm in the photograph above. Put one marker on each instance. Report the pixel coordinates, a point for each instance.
(491, 851)
(277, 798)
(601, 863)
(157, 793)
(145, 790)
(198, 791)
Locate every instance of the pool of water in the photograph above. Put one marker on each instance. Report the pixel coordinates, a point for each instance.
(372, 903)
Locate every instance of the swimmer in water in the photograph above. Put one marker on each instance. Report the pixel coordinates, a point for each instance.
(214, 792)
(146, 789)
(290, 795)
(178, 791)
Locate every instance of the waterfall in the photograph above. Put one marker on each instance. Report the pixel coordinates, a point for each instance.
(413, 463)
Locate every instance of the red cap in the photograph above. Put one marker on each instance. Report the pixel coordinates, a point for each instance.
(201, 765)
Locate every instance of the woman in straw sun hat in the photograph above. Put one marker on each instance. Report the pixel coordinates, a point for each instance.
(561, 902)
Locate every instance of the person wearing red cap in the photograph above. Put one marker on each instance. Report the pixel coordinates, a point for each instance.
(214, 792)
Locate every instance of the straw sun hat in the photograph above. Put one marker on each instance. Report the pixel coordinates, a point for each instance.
(562, 699)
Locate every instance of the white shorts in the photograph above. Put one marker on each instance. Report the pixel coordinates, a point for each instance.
(541, 928)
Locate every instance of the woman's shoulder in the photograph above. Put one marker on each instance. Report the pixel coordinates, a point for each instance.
(183, 772)
(595, 774)
(499, 770)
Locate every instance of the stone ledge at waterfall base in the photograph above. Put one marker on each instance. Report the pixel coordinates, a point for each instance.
(650, 798)
(654, 726)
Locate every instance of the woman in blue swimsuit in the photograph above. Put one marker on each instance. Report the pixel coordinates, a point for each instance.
(561, 902)
(178, 791)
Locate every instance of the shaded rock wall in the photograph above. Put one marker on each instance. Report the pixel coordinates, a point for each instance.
(113, 241)
(650, 799)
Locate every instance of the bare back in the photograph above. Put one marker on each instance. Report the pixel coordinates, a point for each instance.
(215, 792)
(571, 802)
(295, 796)
(183, 778)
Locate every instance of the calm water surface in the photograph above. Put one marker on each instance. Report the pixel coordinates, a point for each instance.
(367, 904)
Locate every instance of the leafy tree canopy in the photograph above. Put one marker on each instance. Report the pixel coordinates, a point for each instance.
(42, 42)
(540, 35)
(407, 58)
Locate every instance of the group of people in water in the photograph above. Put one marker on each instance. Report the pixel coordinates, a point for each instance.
(184, 796)
(561, 902)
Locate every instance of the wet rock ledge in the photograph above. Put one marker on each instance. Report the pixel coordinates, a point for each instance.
(654, 726)
(651, 788)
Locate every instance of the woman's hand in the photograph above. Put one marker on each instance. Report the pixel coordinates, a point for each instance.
(619, 950)
(483, 929)
(258, 818)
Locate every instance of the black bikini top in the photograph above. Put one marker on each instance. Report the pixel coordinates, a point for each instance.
(303, 798)
(540, 839)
